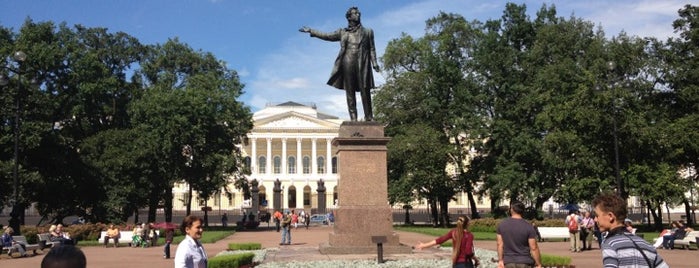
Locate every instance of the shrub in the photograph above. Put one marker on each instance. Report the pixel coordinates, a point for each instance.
(244, 246)
(483, 225)
(551, 223)
(231, 261)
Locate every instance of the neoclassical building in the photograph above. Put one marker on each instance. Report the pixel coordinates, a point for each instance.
(289, 142)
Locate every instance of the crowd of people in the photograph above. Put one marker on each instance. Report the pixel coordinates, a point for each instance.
(517, 238)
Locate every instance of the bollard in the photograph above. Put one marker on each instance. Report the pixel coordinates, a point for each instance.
(379, 240)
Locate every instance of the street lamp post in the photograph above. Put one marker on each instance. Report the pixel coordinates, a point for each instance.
(17, 209)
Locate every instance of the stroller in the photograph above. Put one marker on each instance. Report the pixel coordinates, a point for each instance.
(137, 241)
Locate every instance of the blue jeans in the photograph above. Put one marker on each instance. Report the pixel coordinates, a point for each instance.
(286, 235)
(166, 250)
(467, 264)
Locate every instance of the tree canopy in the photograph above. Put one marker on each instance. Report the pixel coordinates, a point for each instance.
(538, 108)
(103, 129)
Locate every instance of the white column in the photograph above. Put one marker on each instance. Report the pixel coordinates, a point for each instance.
(253, 156)
(328, 157)
(299, 157)
(314, 161)
(283, 171)
(269, 156)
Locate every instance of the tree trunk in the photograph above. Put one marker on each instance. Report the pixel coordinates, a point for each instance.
(206, 213)
(153, 205)
(433, 211)
(168, 204)
(444, 212)
(474, 209)
(189, 199)
(688, 212)
(135, 216)
(407, 215)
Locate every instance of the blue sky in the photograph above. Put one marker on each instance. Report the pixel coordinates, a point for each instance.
(260, 39)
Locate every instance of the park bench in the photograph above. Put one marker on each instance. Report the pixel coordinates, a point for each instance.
(689, 239)
(45, 241)
(554, 232)
(22, 239)
(125, 237)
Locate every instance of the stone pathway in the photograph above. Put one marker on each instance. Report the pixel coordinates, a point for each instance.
(305, 248)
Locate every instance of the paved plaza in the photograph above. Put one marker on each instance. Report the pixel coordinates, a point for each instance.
(305, 248)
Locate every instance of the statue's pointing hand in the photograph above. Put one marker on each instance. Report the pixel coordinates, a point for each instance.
(305, 29)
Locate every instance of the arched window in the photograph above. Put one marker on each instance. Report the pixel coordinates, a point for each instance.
(307, 196)
(246, 162)
(277, 165)
(291, 165)
(262, 165)
(306, 165)
(334, 165)
(262, 196)
(321, 165)
(292, 196)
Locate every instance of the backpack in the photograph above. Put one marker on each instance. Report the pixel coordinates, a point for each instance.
(573, 224)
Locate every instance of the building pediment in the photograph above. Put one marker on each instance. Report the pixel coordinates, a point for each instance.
(293, 120)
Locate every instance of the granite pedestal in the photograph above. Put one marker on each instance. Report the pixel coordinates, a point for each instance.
(363, 215)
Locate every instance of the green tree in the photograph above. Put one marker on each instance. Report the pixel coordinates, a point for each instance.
(190, 100)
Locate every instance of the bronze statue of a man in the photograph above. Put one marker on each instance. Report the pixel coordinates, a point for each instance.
(352, 70)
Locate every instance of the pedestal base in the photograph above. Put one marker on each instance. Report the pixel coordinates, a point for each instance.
(326, 248)
(356, 229)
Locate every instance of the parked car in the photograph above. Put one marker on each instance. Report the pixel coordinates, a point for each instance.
(319, 219)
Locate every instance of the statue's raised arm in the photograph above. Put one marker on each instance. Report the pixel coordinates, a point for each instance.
(305, 29)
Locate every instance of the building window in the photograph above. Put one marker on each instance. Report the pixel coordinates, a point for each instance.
(277, 165)
(307, 196)
(292, 197)
(334, 165)
(231, 197)
(321, 165)
(184, 199)
(262, 165)
(217, 200)
(306, 165)
(291, 165)
(246, 163)
(460, 198)
(201, 202)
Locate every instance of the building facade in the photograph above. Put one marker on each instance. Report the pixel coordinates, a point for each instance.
(289, 142)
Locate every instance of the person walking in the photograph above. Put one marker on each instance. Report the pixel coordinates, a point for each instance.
(463, 253)
(169, 234)
(573, 223)
(516, 240)
(224, 220)
(621, 248)
(286, 230)
(190, 253)
(277, 219)
(587, 229)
